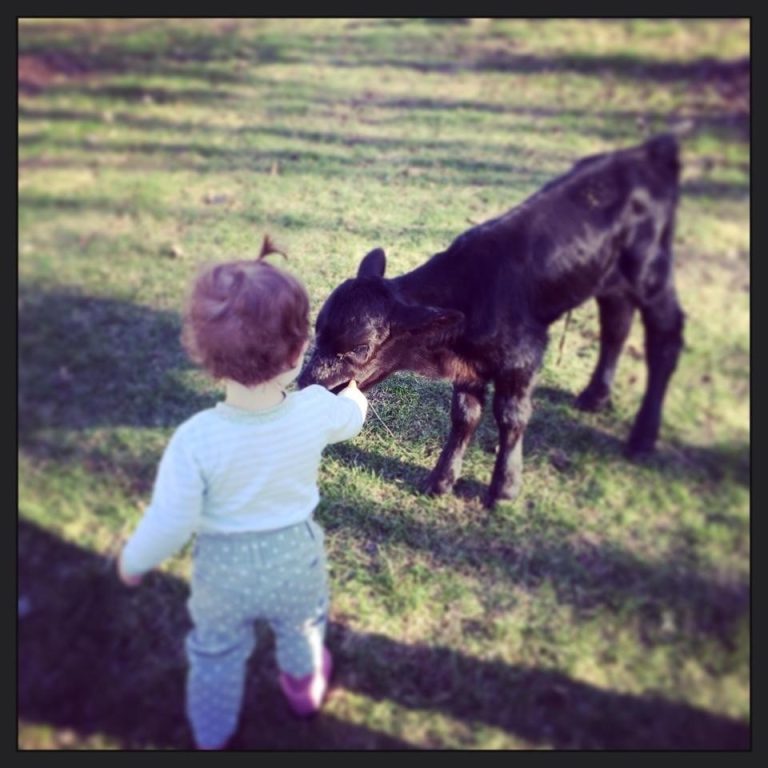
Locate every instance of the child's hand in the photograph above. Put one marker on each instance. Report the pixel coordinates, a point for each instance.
(128, 580)
(351, 387)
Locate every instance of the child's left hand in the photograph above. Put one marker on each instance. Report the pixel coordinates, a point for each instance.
(128, 580)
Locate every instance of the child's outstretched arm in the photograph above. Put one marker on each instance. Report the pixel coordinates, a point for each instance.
(349, 409)
(351, 392)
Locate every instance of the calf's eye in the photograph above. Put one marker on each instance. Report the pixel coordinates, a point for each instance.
(360, 350)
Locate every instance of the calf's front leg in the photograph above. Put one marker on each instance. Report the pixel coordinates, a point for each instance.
(512, 409)
(466, 410)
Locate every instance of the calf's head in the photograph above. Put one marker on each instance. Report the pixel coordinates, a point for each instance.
(366, 331)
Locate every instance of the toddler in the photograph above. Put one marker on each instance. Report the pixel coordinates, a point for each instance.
(242, 476)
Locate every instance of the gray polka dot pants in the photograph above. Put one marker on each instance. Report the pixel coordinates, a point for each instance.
(280, 576)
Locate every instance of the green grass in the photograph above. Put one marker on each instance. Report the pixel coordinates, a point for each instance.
(608, 607)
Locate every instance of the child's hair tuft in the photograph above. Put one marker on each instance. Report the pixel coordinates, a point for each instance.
(269, 246)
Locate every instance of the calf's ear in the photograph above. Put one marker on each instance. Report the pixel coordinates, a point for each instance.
(421, 319)
(373, 264)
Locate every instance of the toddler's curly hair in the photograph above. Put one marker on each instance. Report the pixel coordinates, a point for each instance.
(246, 320)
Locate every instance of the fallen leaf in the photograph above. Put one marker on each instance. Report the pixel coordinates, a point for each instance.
(216, 199)
(175, 251)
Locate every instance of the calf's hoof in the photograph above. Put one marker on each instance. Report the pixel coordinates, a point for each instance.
(504, 494)
(437, 485)
(638, 449)
(592, 401)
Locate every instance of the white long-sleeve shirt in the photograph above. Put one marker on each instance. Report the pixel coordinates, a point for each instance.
(227, 470)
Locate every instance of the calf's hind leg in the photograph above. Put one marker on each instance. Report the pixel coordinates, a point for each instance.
(466, 410)
(616, 312)
(512, 409)
(663, 320)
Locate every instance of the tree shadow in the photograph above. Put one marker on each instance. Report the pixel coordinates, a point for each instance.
(327, 157)
(89, 362)
(98, 658)
(555, 422)
(732, 123)
(584, 575)
(202, 209)
(69, 57)
(147, 94)
(587, 576)
(86, 361)
(719, 190)
(53, 56)
(327, 154)
(706, 68)
(402, 54)
(95, 45)
(544, 707)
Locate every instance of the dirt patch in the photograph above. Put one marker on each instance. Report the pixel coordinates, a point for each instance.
(40, 71)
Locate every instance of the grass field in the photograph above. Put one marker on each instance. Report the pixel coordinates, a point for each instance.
(606, 608)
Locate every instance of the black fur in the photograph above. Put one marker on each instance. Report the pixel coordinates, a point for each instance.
(479, 311)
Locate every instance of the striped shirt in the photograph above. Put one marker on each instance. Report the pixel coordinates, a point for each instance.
(227, 470)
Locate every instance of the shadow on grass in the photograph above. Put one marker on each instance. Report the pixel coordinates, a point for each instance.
(403, 54)
(97, 45)
(150, 95)
(87, 361)
(555, 414)
(101, 246)
(328, 157)
(327, 154)
(98, 658)
(501, 545)
(76, 60)
(717, 190)
(629, 126)
(50, 54)
(591, 578)
(408, 53)
(556, 423)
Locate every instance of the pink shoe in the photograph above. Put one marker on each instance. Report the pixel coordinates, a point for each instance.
(305, 694)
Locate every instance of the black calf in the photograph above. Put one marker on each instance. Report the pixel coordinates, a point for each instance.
(479, 311)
